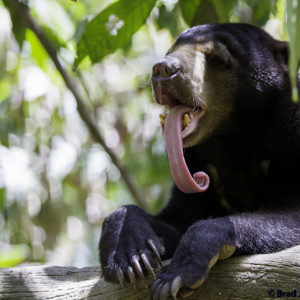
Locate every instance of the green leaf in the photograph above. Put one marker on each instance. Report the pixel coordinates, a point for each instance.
(112, 28)
(13, 256)
(18, 27)
(261, 11)
(5, 88)
(37, 50)
(224, 9)
(188, 9)
(196, 12)
(293, 28)
(171, 19)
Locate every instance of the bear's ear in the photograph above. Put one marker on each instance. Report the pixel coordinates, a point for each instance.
(281, 52)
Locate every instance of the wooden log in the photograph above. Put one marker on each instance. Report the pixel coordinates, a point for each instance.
(262, 276)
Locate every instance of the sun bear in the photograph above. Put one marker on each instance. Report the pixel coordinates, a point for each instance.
(233, 142)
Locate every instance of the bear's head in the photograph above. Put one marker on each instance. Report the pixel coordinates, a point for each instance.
(219, 79)
(222, 72)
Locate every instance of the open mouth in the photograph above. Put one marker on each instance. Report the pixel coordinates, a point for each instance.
(180, 122)
(164, 97)
(189, 120)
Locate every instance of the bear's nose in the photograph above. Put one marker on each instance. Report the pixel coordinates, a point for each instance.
(164, 69)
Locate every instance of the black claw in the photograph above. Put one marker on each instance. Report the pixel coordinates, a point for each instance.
(165, 292)
(132, 278)
(154, 287)
(147, 265)
(157, 292)
(175, 287)
(155, 251)
(139, 271)
(120, 276)
(174, 297)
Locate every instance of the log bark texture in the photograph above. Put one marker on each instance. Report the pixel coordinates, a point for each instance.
(263, 276)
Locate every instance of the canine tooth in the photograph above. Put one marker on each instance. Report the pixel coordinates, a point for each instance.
(162, 119)
(186, 121)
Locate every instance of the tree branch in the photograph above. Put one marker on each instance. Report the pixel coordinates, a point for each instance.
(24, 14)
(245, 277)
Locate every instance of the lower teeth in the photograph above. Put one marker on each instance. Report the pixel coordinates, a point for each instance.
(185, 121)
(162, 119)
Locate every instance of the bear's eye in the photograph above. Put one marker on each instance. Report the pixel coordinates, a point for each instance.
(217, 60)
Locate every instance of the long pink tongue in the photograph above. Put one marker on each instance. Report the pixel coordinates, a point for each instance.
(181, 174)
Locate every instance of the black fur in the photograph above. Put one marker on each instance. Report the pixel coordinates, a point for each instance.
(252, 158)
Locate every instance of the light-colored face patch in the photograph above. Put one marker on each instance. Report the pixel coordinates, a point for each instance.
(191, 73)
(203, 83)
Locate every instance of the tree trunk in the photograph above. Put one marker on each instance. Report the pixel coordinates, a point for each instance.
(262, 276)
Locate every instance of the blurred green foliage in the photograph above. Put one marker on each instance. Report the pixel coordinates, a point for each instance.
(113, 28)
(56, 183)
(293, 27)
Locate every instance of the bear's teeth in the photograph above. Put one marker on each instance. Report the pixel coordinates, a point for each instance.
(186, 120)
(162, 119)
